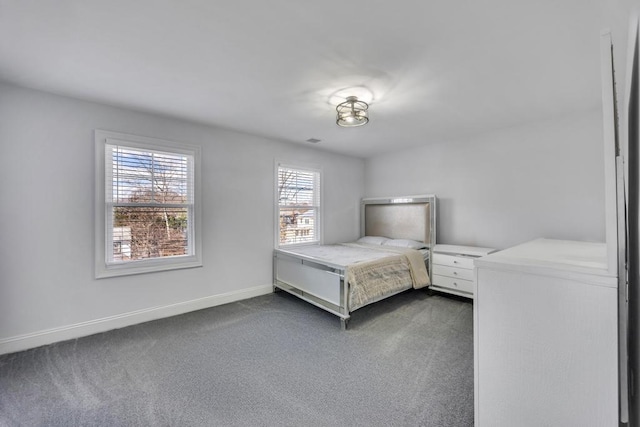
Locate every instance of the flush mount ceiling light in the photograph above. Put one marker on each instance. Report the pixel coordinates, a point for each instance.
(352, 112)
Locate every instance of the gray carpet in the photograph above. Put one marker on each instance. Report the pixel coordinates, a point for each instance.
(268, 361)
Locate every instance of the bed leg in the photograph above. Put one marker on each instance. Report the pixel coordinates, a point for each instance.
(344, 323)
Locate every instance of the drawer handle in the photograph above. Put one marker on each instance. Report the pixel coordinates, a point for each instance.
(455, 262)
(455, 273)
(455, 284)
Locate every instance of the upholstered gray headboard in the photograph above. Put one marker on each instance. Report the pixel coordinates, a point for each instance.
(400, 218)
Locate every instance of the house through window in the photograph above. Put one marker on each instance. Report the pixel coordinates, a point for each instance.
(298, 205)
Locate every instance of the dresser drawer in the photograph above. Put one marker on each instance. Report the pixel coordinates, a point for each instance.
(453, 261)
(451, 283)
(453, 272)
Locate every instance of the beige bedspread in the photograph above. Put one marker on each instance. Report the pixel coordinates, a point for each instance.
(371, 281)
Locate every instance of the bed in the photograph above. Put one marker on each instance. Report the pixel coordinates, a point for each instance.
(393, 254)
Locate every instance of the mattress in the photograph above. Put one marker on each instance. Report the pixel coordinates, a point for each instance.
(343, 254)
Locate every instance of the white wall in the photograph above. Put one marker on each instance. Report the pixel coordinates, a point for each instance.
(46, 217)
(508, 186)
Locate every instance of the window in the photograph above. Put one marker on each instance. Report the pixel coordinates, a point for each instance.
(146, 205)
(298, 196)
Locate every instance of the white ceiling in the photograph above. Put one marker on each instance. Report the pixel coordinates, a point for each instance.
(436, 69)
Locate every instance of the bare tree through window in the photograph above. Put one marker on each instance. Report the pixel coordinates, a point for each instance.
(151, 203)
(298, 205)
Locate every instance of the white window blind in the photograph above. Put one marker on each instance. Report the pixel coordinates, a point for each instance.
(149, 205)
(150, 202)
(298, 205)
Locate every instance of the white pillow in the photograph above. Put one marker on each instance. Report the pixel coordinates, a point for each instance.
(406, 243)
(372, 240)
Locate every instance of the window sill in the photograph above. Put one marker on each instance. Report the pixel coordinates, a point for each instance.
(294, 245)
(146, 266)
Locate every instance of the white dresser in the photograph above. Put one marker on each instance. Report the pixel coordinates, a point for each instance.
(545, 336)
(453, 268)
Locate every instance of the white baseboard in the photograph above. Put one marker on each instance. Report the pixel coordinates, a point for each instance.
(50, 336)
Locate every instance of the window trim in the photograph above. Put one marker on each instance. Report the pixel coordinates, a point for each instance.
(320, 224)
(103, 268)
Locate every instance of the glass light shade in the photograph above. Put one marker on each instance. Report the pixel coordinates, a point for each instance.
(352, 113)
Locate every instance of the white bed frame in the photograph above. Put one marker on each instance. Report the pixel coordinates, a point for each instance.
(323, 284)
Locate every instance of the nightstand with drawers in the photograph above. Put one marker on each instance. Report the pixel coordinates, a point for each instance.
(453, 268)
